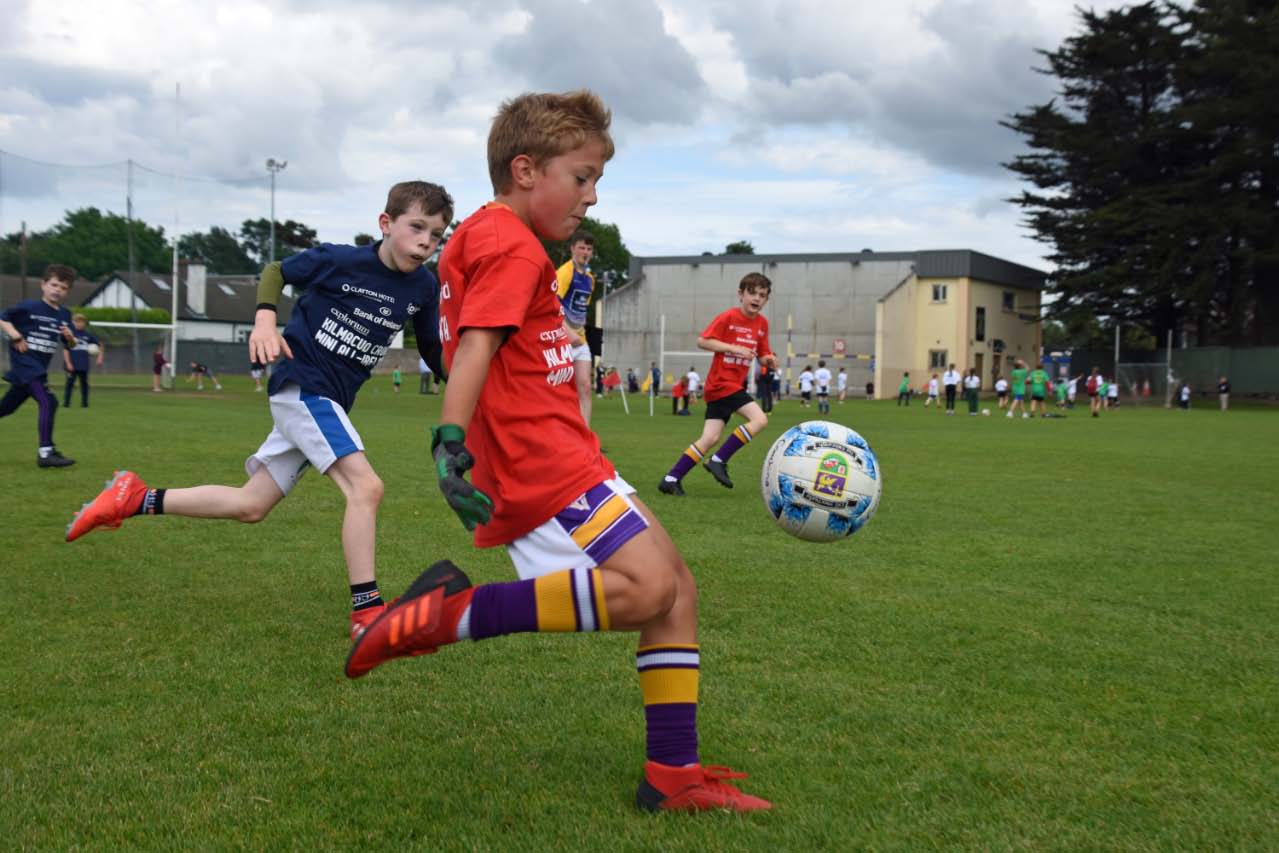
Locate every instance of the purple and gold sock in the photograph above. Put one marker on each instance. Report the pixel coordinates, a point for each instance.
(685, 463)
(735, 442)
(565, 601)
(668, 680)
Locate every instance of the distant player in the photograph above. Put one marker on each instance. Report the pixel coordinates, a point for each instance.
(575, 285)
(1223, 393)
(87, 349)
(396, 378)
(35, 328)
(737, 337)
(841, 384)
(692, 384)
(1094, 387)
(1001, 391)
(903, 390)
(1038, 391)
(1018, 376)
(1112, 395)
(950, 380)
(329, 347)
(589, 554)
(972, 390)
(806, 386)
(934, 387)
(158, 363)
(821, 378)
(198, 372)
(256, 370)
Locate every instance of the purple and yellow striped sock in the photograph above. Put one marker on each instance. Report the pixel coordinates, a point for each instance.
(669, 679)
(685, 463)
(565, 601)
(735, 442)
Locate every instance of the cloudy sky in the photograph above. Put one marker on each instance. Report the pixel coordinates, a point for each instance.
(803, 126)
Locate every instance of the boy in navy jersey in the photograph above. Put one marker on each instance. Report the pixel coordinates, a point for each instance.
(354, 299)
(77, 360)
(35, 328)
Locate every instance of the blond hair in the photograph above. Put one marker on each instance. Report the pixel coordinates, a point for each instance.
(542, 126)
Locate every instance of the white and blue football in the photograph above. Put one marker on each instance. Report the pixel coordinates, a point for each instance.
(821, 481)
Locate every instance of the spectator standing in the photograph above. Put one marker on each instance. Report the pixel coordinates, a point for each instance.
(972, 385)
(1223, 393)
(950, 379)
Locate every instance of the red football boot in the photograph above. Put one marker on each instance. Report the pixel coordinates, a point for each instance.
(416, 623)
(362, 619)
(119, 500)
(693, 789)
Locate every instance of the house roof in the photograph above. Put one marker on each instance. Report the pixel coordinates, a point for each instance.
(227, 298)
(11, 290)
(929, 263)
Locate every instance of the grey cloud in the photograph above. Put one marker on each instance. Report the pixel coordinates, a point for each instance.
(621, 52)
(65, 84)
(942, 98)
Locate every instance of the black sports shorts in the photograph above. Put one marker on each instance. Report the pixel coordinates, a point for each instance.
(723, 408)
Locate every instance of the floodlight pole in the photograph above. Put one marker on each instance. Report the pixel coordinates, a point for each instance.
(273, 166)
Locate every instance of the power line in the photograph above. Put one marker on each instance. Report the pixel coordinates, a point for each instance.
(116, 164)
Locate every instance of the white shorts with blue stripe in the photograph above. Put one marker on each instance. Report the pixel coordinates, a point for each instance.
(309, 430)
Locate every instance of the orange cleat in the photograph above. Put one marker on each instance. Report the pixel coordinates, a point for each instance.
(417, 623)
(362, 619)
(694, 789)
(120, 499)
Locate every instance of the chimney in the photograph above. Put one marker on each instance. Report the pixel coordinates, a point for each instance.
(196, 287)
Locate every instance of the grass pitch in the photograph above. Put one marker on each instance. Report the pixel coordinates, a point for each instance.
(1055, 635)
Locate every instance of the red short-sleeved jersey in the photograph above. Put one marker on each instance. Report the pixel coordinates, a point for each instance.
(533, 452)
(728, 372)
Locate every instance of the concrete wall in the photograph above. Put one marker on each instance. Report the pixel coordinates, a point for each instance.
(824, 300)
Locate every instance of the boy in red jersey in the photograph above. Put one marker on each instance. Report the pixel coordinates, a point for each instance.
(590, 555)
(737, 337)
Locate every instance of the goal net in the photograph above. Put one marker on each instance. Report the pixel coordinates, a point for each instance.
(1143, 383)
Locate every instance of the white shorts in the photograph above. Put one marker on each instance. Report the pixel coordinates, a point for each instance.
(309, 430)
(586, 533)
(582, 352)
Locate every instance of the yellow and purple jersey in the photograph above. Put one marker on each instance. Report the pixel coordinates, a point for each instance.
(574, 289)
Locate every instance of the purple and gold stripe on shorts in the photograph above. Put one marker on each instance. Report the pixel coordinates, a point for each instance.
(600, 522)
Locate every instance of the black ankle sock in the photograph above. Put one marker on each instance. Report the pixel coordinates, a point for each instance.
(365, 595)
(152, 504)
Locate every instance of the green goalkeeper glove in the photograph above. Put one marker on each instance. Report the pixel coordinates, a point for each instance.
(452, 460)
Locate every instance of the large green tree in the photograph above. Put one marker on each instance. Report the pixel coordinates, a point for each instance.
(93, 242)
(1152, 174)
(290, 238)
(219, 251)
(740, 247)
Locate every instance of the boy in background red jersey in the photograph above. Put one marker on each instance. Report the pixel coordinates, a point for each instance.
(737, 337)
(590, 555)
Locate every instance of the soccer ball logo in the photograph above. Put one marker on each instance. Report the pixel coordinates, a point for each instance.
(821, 481)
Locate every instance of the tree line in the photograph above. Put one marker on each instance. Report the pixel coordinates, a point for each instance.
(1154, 173)
(97, 244)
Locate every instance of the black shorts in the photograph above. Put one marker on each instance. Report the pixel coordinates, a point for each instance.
(821, 393)
(723, 408)
(1001, 393)
(807, 395)
(1037, 398)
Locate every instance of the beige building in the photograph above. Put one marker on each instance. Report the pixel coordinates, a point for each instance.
(877, 314)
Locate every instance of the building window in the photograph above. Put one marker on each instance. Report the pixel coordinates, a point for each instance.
(939, 293)
(1010, 300)
(937, 359)
(981, 323)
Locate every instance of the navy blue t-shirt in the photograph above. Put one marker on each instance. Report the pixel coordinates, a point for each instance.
(80, 355)
(350, 308)
(40, 324)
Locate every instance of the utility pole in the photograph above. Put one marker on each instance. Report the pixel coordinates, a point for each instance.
(273, 166)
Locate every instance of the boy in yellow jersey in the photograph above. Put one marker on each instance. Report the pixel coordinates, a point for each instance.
(590, 555)
(575, 285)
